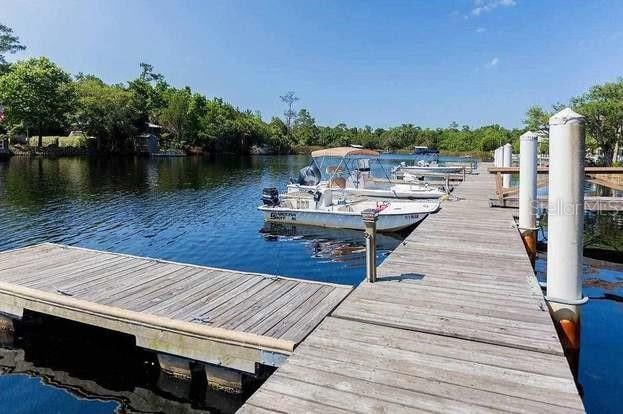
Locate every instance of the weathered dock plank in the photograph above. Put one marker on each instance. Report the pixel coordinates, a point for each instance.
(229, 318)
(455, 323)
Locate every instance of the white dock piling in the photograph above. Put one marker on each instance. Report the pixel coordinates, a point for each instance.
(527, 192)
(507, 158)
(566, 222)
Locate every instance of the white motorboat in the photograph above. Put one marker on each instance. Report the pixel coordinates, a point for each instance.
(353, 176)
(427, 168)
(321, 209)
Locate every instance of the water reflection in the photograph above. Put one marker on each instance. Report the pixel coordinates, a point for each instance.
(102, 370)
(338, 245)
(600, 371)
(193, 210)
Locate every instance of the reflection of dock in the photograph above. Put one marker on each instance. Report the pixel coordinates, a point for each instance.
(137, 400)
(456, 322)
(232, 319)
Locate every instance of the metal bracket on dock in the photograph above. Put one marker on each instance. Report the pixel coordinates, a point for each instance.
(567, 302)
(527, 228)
(273, 359)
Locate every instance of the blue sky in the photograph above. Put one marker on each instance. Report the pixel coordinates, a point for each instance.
(377, 63)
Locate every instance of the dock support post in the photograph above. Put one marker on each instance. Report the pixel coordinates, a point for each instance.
(369, 217)
(527, 192)
(566, 226)
(7, 330)
(223, 379)
(507, 159)
(173, 365)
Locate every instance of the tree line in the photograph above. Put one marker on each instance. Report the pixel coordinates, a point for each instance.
(40, 97)
(602, 108)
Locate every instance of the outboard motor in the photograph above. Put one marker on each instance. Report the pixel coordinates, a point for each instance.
(270, 196)
(309, 175)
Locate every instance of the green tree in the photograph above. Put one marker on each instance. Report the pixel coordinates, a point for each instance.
(537, 119)
(106, 112)
(9, 43)
(279, 139)
(149, 91)
(490, 137)
(175, 115)
(602, 106)
(37, 93)
(304, 128)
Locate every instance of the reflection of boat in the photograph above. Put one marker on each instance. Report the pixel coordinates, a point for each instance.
(339, 240)
(320, 209)
(353, 176)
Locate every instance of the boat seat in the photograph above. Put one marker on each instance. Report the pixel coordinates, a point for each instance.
(337, 182)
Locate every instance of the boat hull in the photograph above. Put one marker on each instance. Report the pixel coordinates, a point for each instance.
(385, 222)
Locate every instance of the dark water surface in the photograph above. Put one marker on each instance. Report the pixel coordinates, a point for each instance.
(194, 210)
(203, 211)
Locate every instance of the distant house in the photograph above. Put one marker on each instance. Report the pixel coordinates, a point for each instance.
(148, 141)
(4, 147)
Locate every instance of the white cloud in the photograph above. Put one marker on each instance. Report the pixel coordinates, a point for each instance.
(493, 63)
(481, 30)
(485, 6)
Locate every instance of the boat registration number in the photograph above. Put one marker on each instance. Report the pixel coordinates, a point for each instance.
(282, 216)
(412, 216)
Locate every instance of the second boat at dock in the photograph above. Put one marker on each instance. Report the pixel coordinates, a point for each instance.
(353, 176)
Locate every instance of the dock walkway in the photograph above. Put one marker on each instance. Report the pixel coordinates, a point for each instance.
(455, 323)
(229, 318)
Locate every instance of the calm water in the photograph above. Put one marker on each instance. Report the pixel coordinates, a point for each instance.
(203, 211)
(193, 210)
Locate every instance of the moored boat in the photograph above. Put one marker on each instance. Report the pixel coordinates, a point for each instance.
(321, 209)
(432, 168)
(353, 176)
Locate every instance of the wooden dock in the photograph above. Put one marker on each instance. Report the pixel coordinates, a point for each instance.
(228, 318)
(456, 323)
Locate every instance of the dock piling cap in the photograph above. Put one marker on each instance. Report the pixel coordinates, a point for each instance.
(565, 116)
(529, 136)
